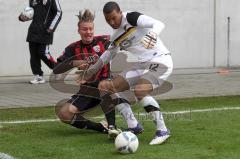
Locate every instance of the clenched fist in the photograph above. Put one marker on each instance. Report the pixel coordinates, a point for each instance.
(149, 40)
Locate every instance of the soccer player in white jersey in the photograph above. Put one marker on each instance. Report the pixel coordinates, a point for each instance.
(138, 34)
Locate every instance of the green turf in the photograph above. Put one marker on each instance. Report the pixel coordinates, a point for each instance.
(208, 135)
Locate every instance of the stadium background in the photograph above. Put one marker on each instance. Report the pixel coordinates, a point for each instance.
(197, 32)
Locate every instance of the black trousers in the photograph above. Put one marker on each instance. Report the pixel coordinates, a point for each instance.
(40, 52)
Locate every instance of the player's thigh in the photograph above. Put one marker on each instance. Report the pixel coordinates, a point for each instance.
(132, 75)
(158, 70)
(117, 84)
(82, 103)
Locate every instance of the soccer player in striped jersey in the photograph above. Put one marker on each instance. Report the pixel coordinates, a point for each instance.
(139, 35)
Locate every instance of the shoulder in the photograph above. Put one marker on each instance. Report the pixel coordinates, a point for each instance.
(71, 47)
(74, 44)
(102, 37)
(132, 17)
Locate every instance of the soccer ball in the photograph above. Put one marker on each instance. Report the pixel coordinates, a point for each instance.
(28, 12)
(126, 142)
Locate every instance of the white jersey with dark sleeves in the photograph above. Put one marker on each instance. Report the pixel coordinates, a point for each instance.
(128, 36)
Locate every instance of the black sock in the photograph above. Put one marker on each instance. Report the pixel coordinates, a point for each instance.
(108, 108)
(80, 122)
(95, 126)
(110, 117)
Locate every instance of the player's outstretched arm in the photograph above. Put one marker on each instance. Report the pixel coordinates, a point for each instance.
(62, 67)
(105, 58)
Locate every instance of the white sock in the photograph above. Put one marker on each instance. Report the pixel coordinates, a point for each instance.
(127, 114)
(156, 116)
(158, 120)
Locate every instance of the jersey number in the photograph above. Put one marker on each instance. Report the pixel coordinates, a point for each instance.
(153, 67)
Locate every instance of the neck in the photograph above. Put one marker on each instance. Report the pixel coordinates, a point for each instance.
(121, 19)
(86, 42)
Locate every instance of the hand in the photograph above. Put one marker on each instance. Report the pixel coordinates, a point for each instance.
(80, 77)
(84, 76)
(50, 30)
(80, 64)
(87, 75)
(23, 18)
(149, 40)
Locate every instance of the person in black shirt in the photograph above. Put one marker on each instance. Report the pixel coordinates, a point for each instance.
(47, 15)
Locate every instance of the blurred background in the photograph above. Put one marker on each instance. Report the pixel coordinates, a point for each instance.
(199, 33)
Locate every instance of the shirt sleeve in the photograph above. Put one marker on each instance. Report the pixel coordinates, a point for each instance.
(149, 22)
(67, 54)
(144, 21)
(56, 8)
(30, 3)
(132, 18)
(64, 61)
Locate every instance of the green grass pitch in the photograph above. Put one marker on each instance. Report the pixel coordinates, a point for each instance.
(195, 135)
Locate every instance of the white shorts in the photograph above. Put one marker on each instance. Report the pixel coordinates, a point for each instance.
(156, 71)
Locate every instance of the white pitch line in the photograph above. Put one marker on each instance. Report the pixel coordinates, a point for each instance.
(202, 110)
(142, 114)
(5, 156)
(28, 121)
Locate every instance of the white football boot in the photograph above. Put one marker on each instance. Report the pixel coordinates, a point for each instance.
(113, 132)
(37, 80)
(160, 137)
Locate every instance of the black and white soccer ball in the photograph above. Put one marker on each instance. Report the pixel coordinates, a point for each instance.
(28, 12)
(126, 142)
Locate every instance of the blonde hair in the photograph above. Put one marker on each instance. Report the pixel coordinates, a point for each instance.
(85, 16)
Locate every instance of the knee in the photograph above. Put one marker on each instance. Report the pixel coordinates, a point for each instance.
(118, 84)
(64, 114)
(106, 85)
(72, 109)
(142, 90)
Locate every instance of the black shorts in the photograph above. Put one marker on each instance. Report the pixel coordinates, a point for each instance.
(83, 102)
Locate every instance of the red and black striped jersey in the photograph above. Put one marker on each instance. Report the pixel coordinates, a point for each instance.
(89, 52)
